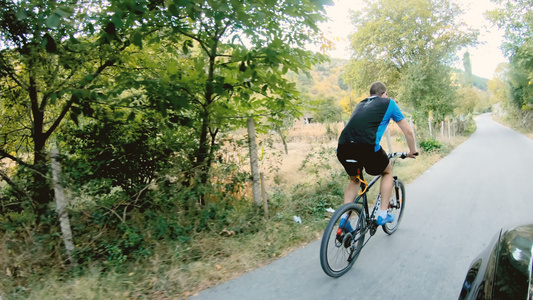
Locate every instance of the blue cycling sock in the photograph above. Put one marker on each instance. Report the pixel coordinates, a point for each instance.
(345, 224)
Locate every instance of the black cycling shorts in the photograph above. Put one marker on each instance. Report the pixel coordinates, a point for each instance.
(362, 157)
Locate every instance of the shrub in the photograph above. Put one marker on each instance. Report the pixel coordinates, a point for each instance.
(430, 145)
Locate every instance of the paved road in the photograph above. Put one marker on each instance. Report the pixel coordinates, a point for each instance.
(453, 211)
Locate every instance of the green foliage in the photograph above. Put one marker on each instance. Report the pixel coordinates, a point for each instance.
(322, 90)
(183, 64)
(470, 125)
(467, 100)
(130, 154)
(517, 23)
(428, 89)
(53, 56)
(430, 145)
(135, 95)
(409, 45)
(326, 110)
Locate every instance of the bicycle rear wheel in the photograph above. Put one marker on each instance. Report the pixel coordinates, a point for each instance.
(396, 207)
(340, 247)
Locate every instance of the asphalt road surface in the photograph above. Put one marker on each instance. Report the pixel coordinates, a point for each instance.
(452, 212)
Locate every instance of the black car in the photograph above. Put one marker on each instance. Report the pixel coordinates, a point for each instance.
(503, 270)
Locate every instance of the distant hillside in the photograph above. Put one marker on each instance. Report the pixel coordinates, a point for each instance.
(326, 96)
(478, 82)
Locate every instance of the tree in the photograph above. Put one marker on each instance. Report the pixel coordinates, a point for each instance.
(517, 22)
(468, 98)
(240, 52)
(409, 46)
(469, 78)
(53, 56)
(499, 85)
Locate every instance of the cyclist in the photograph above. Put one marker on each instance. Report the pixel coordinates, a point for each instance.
(359, 146)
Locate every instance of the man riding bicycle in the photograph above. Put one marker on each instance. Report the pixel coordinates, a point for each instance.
(359, 145)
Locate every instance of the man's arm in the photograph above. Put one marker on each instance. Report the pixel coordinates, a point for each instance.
(409, 136)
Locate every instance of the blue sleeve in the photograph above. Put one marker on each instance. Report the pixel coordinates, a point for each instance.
(394, 111)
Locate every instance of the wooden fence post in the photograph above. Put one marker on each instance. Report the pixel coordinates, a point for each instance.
(263, 196)
(449, 129)
(61, 204)
(413, 129)
(430, 128)
(253, 162)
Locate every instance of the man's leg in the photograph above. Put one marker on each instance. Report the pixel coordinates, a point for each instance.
(351, 190)
(386, 191)
(386, 187)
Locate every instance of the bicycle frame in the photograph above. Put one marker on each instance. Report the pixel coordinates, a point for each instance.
(363, 200)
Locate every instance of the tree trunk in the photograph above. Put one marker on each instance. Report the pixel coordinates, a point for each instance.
(253, 162)
(40, 189)
(201, 168)
(61, 207)
(283, 140)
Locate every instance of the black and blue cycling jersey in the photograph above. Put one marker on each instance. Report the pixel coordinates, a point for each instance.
(369, 121)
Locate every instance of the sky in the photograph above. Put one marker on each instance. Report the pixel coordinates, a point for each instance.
(485, 58)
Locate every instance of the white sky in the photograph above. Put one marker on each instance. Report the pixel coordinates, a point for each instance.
(485, 58)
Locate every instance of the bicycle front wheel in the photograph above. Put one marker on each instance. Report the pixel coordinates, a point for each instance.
(342, 240)
(396, 207)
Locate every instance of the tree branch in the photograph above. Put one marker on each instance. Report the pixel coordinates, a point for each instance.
(15, 187)
(73, 98)
(4, 154)
(9, 71)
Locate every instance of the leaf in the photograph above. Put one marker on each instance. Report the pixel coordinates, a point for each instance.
(138, 40)
(173, 9)
(61, 13)
(53, 99)
(53, 21)
(117, 20)
(22, 15)
(178, 102)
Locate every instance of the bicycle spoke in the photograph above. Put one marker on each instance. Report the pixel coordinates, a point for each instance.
(340, 247)
(396, 207)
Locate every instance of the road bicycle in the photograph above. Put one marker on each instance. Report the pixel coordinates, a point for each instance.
(343, 240)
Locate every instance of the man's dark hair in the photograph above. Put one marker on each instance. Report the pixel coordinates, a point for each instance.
(377, 88)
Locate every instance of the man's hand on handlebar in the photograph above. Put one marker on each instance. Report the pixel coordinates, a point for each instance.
(412, 154)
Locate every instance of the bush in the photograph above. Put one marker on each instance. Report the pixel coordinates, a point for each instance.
(430, 145)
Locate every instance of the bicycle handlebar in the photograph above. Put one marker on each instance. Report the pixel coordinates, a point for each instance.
(402, 155)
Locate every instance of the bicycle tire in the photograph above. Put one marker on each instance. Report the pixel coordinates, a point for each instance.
(397, 210)
(337, 257)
